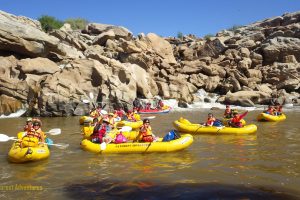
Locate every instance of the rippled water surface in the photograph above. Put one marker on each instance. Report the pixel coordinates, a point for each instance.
(265, 165)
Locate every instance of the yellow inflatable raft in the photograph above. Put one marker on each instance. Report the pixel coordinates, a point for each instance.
(140, 147)
(270, 118)
(20, 155)
(83, 119)
(185, 126)
(133, 125)
(26, 154)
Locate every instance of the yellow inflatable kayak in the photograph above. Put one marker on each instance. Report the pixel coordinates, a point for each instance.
(140, 147)
(185, 126)
(26, 154)
(133, 125)
(270, 118)
(87, 131)
(83, 119)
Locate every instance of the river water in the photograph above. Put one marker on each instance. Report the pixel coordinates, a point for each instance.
(265, 165)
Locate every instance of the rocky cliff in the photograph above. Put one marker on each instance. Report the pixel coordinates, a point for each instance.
(52, 74)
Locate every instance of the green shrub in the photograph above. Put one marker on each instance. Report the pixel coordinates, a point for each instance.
(49, 23)
(234, 28)
(180, 35)
(77, 23)
(208, 36)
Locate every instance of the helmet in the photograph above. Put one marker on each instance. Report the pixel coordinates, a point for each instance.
(105, 120)
(146, 121)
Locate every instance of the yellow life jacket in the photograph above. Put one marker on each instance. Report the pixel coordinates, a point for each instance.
(30, 141)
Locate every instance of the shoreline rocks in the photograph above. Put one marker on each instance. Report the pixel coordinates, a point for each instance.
(53, 73)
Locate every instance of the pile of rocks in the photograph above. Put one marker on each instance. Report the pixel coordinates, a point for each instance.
(52, 74)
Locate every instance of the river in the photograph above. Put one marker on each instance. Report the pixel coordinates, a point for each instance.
(265, 165)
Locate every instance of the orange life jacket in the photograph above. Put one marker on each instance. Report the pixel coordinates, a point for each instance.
(146, 131)
(34, 133)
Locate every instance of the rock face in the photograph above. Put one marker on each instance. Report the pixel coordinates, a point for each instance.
(53, 74)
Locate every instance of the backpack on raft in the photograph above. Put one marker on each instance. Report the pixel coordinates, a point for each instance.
(172, 135)
(218, 123)
(120, 138)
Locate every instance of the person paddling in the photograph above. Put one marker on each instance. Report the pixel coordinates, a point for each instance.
(210, 120)
(270, 110)
(236, 120)
(28, 125)
(145, 133)
(100, 131)
(34, 135)
(228, 113)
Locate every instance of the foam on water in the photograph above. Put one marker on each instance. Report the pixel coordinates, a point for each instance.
(208, 101)
(13, 115)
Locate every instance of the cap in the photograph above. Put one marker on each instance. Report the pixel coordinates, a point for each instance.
(29, 119)
(146, 121)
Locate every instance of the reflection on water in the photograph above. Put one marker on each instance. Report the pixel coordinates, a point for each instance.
(264, 165)
(32, 171)
(151, 190)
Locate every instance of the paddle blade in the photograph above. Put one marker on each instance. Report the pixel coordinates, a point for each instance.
(55, 131)
(5, 138)
(60, 145)
(150, 117)
(85, 101)
(91, 95)
(103, 146)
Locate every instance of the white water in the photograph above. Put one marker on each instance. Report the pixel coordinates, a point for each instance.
(208, 101)
(13, 115)
(201, 104)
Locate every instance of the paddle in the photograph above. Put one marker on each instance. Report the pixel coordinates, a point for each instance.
(58, 145)
(85, 101)
(54, 131)
(5, 138)
(150, 117)
(123, 129)
(91, 95)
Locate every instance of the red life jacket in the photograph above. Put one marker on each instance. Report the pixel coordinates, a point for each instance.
(210, 121)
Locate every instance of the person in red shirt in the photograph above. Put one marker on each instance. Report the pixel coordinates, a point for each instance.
(236, 120)
(100, 131)
(270, 110)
